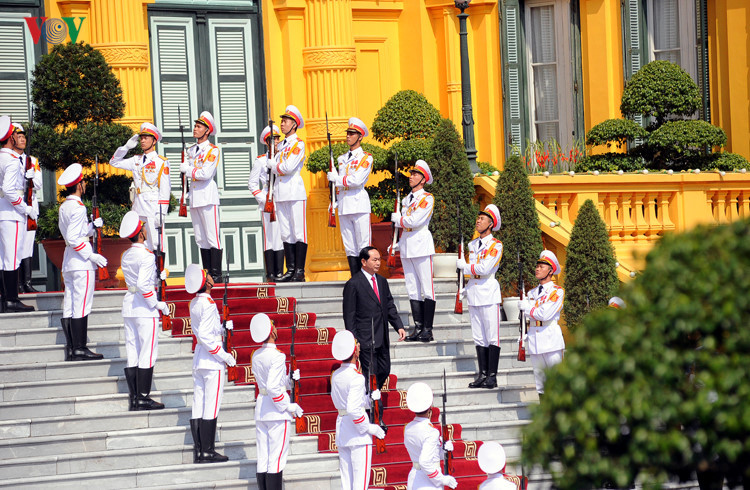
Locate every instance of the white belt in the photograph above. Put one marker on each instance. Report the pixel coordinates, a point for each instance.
(415, 229)
(132, 290)
(486, 276)
(416, 466)
(262, 391)
(343, 412)
(146, 192)
(538, 323)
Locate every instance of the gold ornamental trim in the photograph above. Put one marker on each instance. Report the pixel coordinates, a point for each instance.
(470, 453)
(316, 130)
(322, 335)
(329, 58)
(332, 441)
(282, 305)
(379, 476)
(125, 55)
(302, 320)
(313, 424)
(263, 292)
(402, 399)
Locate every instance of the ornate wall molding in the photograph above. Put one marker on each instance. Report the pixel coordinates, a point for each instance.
(122, 55)
(316, 129)
(329, 57)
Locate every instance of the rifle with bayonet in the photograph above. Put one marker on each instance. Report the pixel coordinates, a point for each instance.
(522, 317)
(103, 274)
(447, 455)
(166, 320)
(459, 307)
(231, 371)
(376, 412)
(184, 178)
(29, 192)
(269, 207)
(331, 185)
(299, 422)
(391, 261)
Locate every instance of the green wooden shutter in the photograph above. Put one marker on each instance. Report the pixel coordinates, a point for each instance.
(577, 71)
(635, 44)
(18, 61)
(701, 29)
(515, 110)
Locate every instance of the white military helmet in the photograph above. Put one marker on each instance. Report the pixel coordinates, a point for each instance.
(357, 125)
(343, 345)
(195, 278)
(294, 114)
(616, 302)
(150, 130)
(71, 175)
(131, 224)
(494, 214)
(424, 169)
(207, 120)
(260, 327)
(491, 457)
(419, 397)
(549, 258)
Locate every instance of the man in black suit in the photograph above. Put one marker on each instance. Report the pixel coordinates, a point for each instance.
(368, 306)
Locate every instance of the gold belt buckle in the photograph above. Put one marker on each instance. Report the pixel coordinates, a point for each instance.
(407, 229)
(539, 323)
(476, 277)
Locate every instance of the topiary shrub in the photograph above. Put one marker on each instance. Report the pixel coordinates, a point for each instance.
(657, 390)
(725, 161)
(57, 148)
(487, 168)
(520, 229)
(680, 144)
(610, 162)
(453, 189)
(618, 131)
(406, 115)
(319, 159)
(660, 89)
(590, 272)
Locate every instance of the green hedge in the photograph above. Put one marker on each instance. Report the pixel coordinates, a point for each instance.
(406, 115)
(318, 161)
(616, 131)
(610, 162)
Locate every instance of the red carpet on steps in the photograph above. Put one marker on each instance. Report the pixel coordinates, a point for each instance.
(313, 350)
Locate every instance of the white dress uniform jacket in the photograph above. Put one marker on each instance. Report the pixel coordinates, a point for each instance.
(139, 269)
(354, 170)
(12, 205)
(484, 260)
(269, 368)
(349, 398)
(205, 158)
(258, 181)
(37, 180)
(76, 230)
(206, 323)
(545, 334)
(289, 185)
(497, 482)
(416, 212)
(424, 445)
(151, 182)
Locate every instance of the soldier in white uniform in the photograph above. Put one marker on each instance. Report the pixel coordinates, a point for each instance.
(424, 443)
(273, 250)
(353, 429)
(491, 458)
(273, 409)
(79, 265)
(150, 180)
(208, 365)
(290, 196)
(616, 302)
(13, 213)
(353, 200)
(140, 313)
(483, 293)
(27, 238)
(543, 306)
(200, 167)
(417, 249)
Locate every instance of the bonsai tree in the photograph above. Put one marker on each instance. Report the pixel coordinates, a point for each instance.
(453, 189)
(520, 231)
(657, 390)
(590, 275)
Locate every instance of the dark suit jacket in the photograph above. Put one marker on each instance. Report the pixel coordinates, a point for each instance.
(361, 306)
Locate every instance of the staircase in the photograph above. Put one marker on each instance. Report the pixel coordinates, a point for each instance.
(66, 424)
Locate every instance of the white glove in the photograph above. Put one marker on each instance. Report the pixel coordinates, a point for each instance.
(30, 173)
(375, 430)
(132, 142)
(525, 305)
(448, 446)
(396, 218)
(392, 249)
(295, 375)
(270, 164)
(31, 213)
(163, 275)
(332, 176)
(448, 481)
(98, 222)
(461, 264)
(230, 325)
(295, 409)
(226, 357)
(162, 306)
(99, 260)
(184, 167)
(375, 395)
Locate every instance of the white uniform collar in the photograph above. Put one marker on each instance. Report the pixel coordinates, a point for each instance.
(202, 146)
(72, 197)
(357, 153)
(138, 245)
(547, 286)
(418, 194)
(204, 295)
(352, 365)
(8, 150)
(486, 240)
(289, 140)
(151, 156)
(421, 419)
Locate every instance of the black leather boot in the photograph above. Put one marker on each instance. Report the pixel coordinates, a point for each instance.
(417, 312)
(429, 316)
(260, 479)
(354, 264)
(215, 270)
(482, 359)
(268, 257)
(144, 402)
(11, 301)
(25, 282)
(274, 481)
(494, 359)
(278, 256)
(194, 428)
(208, 438)
(2, 293)
(130, 378)
(65, 324)
(78, 334)
(300, 252)
(290, 257)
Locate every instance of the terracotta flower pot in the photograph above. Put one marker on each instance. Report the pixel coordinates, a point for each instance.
(112, 249)
(382, 238)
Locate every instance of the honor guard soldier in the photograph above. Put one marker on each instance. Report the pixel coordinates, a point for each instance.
(140, 313)
(27, 241)
(79, 265)
(491, 458)
(417, 249)
(273, 250)
(424, 443)
(353, 200)
(290, 195)
(273, 408)
(208, 365)
(616, 302)
(200, 167)
(543, 306)
(13, 213)
(483, 293)
(353, 429)
(150, 181)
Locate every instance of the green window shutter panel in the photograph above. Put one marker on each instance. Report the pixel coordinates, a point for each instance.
(15, 93)
(577, 60)
(635, 44)
(701, 19)
(515, 105)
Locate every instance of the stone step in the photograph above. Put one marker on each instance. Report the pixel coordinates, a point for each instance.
(53, 335)
(459, 380)
(314, 305)
(100, 315)
(335, 289)
(443, 316)
(462, 363)
(54, 300)
(443, 347)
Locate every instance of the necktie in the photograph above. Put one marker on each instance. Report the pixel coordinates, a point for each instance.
(411, 198)
(540, 289)
(144, 159)
(350, 156)
(375, 287)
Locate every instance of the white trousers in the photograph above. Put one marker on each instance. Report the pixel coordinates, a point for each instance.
(354, 464)
(208, 390)
(27, 245)
(272, 444)
(271, 233)
(141, 341)
(79, 293)
(206, 226)
(292, 218)
(11, 238)
(355, 232)
(542, 362)
(418, 277)
(152, 237)
(485, 324)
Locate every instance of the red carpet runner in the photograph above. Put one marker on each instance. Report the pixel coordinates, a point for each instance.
(313, 349)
